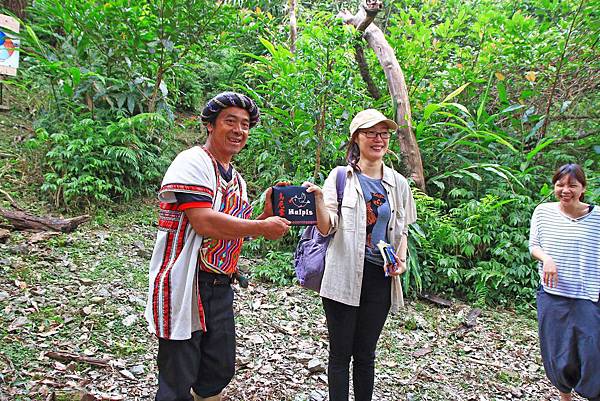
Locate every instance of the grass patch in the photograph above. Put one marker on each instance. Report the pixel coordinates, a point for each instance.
(18, 354)
(509, 377)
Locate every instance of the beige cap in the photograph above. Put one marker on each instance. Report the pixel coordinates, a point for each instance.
(368, 118)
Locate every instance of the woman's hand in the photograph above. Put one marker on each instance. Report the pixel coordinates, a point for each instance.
(323, 223)
(398, 268)
(313, 188)
(550, 272)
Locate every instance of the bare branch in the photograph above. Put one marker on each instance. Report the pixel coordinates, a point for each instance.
(542, 131)
(579, 136)
(371, 8)
(365, 73)
(397, 88)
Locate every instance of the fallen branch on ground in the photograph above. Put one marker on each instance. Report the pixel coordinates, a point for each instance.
(68, 356)
(486, 363)
(21, 220)
(436, 299)
(469, 323)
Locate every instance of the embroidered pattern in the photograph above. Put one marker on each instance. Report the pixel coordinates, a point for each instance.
(171, 270)
(199, 189)
(162, 284)
(221, 256)
(168, 217)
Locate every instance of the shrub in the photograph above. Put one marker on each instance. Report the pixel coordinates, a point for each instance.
(478, 250)
(276, 268)
(91, 160)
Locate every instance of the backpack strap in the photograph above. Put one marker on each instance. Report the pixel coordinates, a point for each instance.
(340, 184)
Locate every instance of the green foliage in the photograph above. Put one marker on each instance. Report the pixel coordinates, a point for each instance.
(467, 143)
(98, 68)
(477, 250)
(276, 268)
(306, 114)
(88, 160)
(523, 99)
(127, 47)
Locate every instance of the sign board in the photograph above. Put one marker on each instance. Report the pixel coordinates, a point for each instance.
(9, 45)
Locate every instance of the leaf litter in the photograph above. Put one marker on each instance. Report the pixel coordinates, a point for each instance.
(72, 328)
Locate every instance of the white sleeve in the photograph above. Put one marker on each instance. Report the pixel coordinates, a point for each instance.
(534, 240)
(191, 172)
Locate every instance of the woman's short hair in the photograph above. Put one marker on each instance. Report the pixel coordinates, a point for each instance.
(573, 171)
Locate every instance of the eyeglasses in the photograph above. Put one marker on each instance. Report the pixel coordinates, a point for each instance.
(373, 134)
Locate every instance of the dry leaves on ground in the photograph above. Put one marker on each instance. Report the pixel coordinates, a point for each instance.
(71, 312)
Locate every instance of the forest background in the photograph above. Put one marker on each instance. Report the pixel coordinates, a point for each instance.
(502, 93)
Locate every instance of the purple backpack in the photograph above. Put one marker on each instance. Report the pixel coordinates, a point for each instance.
(309, 258)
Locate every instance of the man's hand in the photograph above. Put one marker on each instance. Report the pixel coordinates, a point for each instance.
(275, 227)
(550, 272)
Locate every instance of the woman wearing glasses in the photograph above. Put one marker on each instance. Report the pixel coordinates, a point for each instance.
(357, 294)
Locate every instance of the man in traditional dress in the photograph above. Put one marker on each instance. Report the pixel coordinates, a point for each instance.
(203, 220)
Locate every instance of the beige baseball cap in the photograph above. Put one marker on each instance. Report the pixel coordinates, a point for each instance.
(368, 118)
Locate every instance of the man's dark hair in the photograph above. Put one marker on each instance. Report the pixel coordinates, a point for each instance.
(229, 99)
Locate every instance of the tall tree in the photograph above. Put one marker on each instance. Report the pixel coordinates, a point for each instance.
(293, 25)
(363, 21)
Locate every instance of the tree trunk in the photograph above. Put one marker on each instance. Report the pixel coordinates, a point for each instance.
(319, 130)
(293, 27)
(16, 6)
(396, 85)
(153, 98)
(320, 125)
(363, 67)
(24, 221)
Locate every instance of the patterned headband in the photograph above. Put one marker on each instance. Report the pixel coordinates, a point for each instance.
(230, 99)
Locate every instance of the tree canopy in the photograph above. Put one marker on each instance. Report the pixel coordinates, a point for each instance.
(501, 93)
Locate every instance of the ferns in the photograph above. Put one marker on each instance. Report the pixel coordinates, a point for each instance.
(91, 161)
(477, 250)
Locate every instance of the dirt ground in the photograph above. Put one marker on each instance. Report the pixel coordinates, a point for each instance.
(84, 294)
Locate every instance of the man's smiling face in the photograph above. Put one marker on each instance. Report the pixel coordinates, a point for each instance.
(229, 133)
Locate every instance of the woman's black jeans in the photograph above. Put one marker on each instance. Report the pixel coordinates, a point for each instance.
(353, 333)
